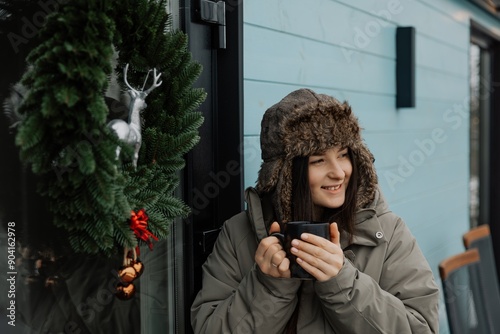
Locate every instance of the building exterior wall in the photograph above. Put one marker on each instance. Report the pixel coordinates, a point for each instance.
(347, 49)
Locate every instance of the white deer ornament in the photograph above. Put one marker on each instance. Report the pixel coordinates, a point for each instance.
(130, 131)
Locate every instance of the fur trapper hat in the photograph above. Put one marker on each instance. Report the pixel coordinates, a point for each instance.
(301, 124)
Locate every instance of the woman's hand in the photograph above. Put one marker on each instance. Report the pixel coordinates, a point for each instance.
(271, 257)
(320, 257)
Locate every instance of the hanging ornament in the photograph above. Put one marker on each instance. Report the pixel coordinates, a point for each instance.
(125, 288)
(125, 291)
(132, 267)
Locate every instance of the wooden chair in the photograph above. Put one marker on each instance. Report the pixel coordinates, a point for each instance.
(465, 309)
(475, 234)
(480, 238)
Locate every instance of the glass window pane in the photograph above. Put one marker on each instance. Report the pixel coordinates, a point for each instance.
(475, 80)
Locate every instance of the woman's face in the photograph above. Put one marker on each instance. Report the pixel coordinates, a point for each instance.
(329, 174)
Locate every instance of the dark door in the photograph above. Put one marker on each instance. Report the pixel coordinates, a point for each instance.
(213, 176)
(484, 134)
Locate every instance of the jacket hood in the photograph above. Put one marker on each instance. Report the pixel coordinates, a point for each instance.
(368, 227)
(301, 124)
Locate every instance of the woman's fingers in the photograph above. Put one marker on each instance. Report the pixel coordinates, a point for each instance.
(269, 241)
(335, 234)
(270, 256)
(284, 268)
(320, 272)
(320, 257)
(275, 228)
(312, 242)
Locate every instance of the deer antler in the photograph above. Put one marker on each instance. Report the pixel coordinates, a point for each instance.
(155, 82)
(144, 92)
(125, 70)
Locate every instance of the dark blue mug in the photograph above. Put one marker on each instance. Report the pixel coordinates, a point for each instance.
(293, 230)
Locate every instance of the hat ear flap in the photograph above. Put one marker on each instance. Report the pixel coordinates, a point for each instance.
(269, 175)
(368, 179)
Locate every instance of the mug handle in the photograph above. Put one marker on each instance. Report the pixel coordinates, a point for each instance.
(280, 236)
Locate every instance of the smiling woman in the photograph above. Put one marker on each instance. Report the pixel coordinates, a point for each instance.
(316, 167)
(329, 175)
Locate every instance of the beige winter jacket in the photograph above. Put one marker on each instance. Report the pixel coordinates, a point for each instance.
(385, 285)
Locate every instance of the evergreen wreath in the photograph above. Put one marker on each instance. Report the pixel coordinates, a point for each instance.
(63, 134)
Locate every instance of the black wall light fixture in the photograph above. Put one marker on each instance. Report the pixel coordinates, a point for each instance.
(405, 67)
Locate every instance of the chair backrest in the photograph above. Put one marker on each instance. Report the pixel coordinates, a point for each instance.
(476, 234)
(480, 238)
(465, 309)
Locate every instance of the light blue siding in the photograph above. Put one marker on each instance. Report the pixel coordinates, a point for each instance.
(347, 49)
(282, 58)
